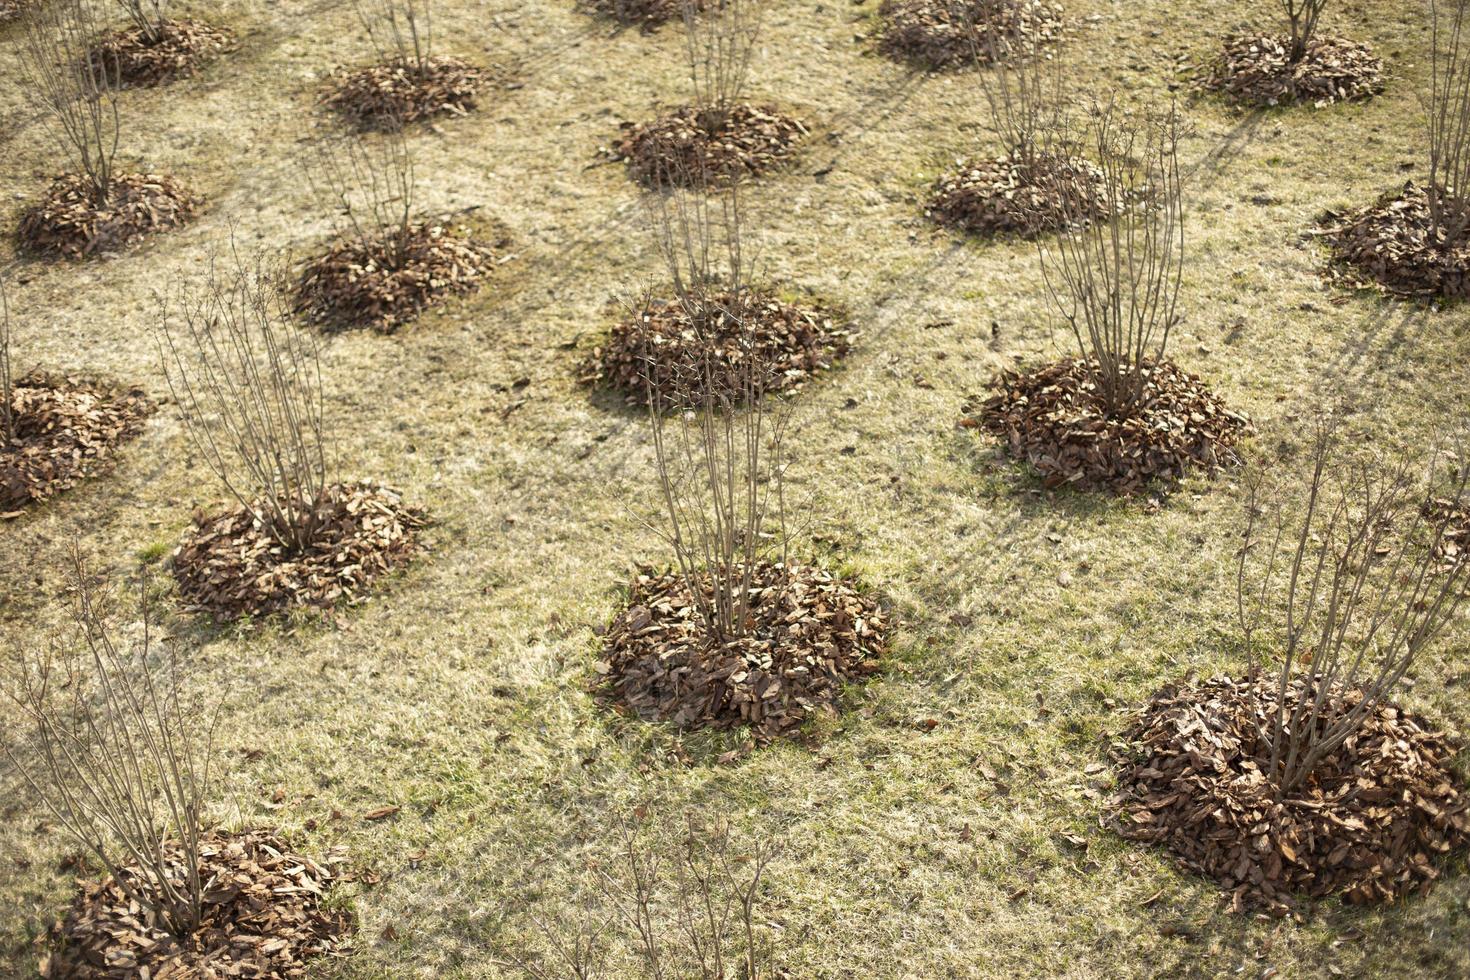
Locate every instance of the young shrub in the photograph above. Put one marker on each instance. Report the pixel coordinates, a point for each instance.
(1115, 279)
(1295, 66)
(250, 386)
(1447, 108)
(402, 31)
(119, 756)
(7, 376)
(1302, 17)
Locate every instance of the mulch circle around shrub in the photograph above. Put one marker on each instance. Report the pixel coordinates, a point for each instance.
(1389, 246)
(662, 345)
(182, 48)
(375, 285)
(388, 95)
(1054, 419)
(1366, 825)
(67, 428)
(1257, 71)
(69, 223)
(263, 917)
(688, 146)
(647, 14)
(1003, 195)
(941, 34)
(812, 634)
(231, 566)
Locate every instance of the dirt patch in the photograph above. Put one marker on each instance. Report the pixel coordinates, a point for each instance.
(1003, 195)
(383, 284)
(66, 429)
(812, 634)
(1390, 246)
(388, 95)
(181, 48)
(689, 146)
(1054, 419)
(942, 34)
(69, 223)
(664, 348)
(647, 14)
(230, 566)
(1366, 826)
(263, 917)
(1256, 70)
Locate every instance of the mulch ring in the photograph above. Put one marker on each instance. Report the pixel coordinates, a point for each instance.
(1054, 419)
(1365, 825)
(646, 14)
(263, 917)
(690, 146)
(389, 95)
(66, 428)
(69, 223)
(1003, 195)
(1257, 71)
(182, 47)
(231, 566)
(662, 345)
(941, 34)
(381, 285)
(811, 635)
(1389, 247)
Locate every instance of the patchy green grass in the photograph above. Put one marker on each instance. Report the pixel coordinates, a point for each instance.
(460, 692)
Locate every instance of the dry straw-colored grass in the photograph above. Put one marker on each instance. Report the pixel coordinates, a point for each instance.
(968, 847)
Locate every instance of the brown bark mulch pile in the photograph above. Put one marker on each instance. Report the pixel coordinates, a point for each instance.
(690, 146)
(263, 917)
(647, 14)
(1391, 246)
(811, 635)
(66, 428)
(1256, 70)
(68, 222)
(231, 566)
(1003, 195)
(381, 285)
(941, 34)
(1365, 825)
(1054, 419)
(389, 95)
(661, 346)
(181, 48)
(1454, 545)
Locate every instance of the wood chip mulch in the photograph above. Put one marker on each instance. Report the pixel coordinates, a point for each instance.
(1389, 247)
(688, 146)
(263, 917)
(68, 223)
(1454, 544)
(646, 14)
(182, 48)
(1367, 825)
(230, 566)
(389, 95)
(943, 34)
(67, 428)
(812, 634)
(1003, 195)
(370, 284)
(664, 348)
(1054, 419)
(1256, 70)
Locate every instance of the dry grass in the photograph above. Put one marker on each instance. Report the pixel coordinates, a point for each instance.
(905, 853)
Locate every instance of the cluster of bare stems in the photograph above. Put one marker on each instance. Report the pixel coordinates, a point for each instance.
(402, 31)
(249, 384)
(147, 16)
(1302, 17)
(1115, 279)
(118, 755)
(719, 42)
(1024, 88)
(76, 92)
(719, 442)
(1448, 111)
(7, 375)
(693, 916)
(1366, 592)
(368, 182)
